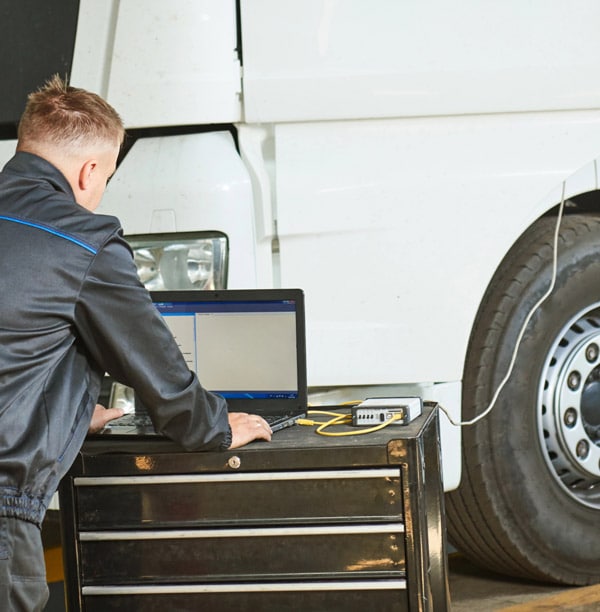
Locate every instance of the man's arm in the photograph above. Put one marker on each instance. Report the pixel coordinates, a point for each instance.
(244, 427)
(128, 338)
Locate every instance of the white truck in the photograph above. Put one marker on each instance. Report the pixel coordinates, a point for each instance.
(406, 164)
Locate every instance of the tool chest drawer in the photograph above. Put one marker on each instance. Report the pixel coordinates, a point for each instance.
(334, 551)
(248, 498)
(287, 597)
(297, 524)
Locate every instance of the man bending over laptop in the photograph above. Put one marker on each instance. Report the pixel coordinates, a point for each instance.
(71, 309)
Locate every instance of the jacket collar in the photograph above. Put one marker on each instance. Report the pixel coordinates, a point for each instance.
(36, 167)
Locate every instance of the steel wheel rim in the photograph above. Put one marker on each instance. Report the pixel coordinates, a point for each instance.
(568, 415)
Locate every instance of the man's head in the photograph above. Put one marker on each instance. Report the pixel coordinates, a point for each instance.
(76, 131)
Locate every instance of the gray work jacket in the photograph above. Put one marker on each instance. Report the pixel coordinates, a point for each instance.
(71, 309)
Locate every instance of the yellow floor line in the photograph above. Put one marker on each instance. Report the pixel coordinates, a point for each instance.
(54, 564)
(568, 600)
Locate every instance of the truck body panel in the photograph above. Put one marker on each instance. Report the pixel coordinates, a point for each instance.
(384, 158)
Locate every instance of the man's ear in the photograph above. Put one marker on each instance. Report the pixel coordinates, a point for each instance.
(85, 174)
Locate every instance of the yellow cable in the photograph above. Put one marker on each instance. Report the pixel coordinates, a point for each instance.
(342, 419)
(332, 414)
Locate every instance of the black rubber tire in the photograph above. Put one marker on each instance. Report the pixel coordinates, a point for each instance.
(510, 513)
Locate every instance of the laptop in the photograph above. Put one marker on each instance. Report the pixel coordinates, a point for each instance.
(247, 345)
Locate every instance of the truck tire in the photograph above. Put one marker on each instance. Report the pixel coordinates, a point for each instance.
(529, 500)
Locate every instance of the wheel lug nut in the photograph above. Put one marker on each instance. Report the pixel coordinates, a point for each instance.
(570, 417)
(591, 352)
(573, 380)
(582, 449)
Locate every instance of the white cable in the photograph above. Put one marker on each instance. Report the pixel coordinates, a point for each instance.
(524, 326)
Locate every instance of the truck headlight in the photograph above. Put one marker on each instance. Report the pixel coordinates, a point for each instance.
(182, 260)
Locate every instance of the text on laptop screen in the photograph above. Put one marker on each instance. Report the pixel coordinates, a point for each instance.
(238, 349)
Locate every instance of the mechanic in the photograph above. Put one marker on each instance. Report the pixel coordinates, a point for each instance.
(72, 308)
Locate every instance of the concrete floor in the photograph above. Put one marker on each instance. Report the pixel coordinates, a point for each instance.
(473, 589)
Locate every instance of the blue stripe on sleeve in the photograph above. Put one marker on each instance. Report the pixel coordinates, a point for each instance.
(54, 232)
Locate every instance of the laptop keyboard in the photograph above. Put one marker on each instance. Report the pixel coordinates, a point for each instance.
(142, 422)
(132, 419)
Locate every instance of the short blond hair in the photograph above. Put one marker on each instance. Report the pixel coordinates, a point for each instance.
(64, 116)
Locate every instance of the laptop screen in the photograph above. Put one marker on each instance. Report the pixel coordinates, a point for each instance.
(246, 345)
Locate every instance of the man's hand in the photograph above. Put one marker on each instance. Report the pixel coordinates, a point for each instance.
(102, 416)
(247, 427)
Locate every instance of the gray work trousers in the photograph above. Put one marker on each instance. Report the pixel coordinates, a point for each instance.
(23, 586)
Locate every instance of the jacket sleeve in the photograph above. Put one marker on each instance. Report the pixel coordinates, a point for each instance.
(126, 337)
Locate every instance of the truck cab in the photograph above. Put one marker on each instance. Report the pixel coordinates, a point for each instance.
(428, 176)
